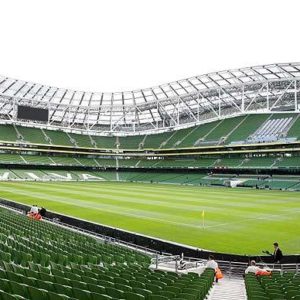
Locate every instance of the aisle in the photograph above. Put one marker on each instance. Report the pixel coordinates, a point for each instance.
(228, 289)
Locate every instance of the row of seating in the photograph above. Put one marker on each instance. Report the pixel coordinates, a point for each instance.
(271, 130)
(272, 184)
(65, 246)
(205, 162)
(190, 178)
(39, 260)
(275, 287)
(236, 129)
(118, 282)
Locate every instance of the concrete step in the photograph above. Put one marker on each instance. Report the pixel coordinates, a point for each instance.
(228, 289)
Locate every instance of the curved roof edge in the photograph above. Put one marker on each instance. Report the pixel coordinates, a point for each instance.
(267, 88)
(20, 88)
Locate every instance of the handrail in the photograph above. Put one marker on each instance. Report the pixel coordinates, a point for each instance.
(229, 268)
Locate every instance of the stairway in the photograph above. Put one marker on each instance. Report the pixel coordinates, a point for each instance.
(228, 289)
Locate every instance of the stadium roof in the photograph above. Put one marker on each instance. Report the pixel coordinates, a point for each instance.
(167, 105)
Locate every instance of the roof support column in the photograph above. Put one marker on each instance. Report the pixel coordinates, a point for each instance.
(178, 115)
(243, 99)
(295, 94)
(268, 100)
(111, 110)
(220, 106)
(14, 115)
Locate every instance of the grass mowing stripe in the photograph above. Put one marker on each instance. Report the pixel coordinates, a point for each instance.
(160, 216)
(124, 202)
(237, 220)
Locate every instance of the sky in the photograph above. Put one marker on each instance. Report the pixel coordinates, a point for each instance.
(121, 45)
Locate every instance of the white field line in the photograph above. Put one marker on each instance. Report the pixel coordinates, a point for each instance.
(116, 198)
(153, 194)
(114, 211)
(219, 205)
(231, 193)
(141, 213)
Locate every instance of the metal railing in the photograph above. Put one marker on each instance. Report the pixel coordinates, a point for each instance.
(229, 268)
(176, 263)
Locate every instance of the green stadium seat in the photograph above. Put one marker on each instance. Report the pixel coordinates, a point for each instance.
(9, 267)
(106, 277)
(115, 293)
(89, 280)
(3, 274)
(187, 296)
(47, 277)
(157, 297)
(167, 294)
(44, 285)
(121, 280)
(35, 267)
(14, 277)
(31, 273)
(72, 276)
(20, 289)
(5, 256)
(96, 296)
(64, 290)
(5, 285)
(137, 284)
(55, 296)
(142, 279)
(8, 296)
(29, 281)
(18, 269)
(60, 280)
(43, 269)
(78, 284)
(133, 296)
(105, 283)
(143, 292)
(96, 288)
(190, 291)
(153, 287)
(35, 293)
(173, 289)
(123, 287)
(81, 294)
(57, 272)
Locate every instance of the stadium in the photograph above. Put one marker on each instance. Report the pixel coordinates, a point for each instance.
(137, 183)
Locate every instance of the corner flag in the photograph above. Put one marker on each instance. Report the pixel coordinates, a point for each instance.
(203, 214)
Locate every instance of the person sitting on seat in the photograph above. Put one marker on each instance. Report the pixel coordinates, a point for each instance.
(38, 217)
(212, 264)
(253, 268)
(34, 213)
(34, 209)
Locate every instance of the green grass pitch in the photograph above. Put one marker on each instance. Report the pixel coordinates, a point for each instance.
(236, 220)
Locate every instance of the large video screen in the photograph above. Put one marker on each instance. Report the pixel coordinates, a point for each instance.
(32, 113)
